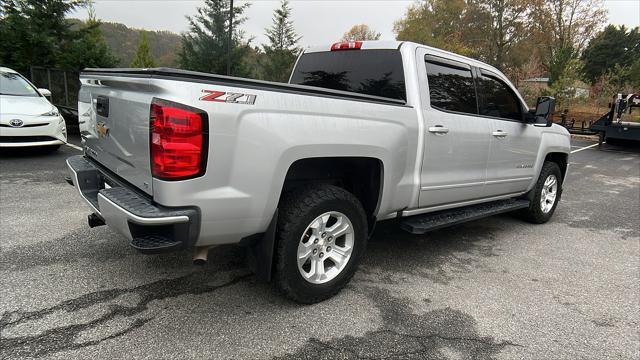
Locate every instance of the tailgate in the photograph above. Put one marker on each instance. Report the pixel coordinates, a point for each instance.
(113, 112)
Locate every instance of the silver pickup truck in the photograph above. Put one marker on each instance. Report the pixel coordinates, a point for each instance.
(301, 172)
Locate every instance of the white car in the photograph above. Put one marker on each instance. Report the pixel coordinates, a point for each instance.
(27, 118)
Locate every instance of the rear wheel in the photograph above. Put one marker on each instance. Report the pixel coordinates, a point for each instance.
(545, 195)
(321, 237)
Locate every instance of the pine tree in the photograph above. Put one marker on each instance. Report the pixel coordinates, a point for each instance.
(280, 54)
(143, 57)
(204, 47)
(36, 33)
(613, 46)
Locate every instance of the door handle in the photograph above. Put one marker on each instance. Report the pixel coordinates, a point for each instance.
(438, 129)
(500, 133)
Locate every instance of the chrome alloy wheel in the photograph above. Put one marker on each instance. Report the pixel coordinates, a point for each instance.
(549, 194)
(325, 247)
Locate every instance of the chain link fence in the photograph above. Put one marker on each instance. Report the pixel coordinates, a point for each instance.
(64, 86)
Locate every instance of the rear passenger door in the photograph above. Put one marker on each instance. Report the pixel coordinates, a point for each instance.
(514, 143)
(456, 143)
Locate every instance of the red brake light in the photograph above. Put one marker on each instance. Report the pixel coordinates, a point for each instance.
(178, 137)
(347, 45)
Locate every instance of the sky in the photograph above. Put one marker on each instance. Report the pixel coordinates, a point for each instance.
(319, 22)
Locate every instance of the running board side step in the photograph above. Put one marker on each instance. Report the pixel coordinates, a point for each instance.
(421, 224)
(155, 244)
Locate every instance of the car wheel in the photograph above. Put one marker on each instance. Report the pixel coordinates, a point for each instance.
(321, 237)
(545, 195)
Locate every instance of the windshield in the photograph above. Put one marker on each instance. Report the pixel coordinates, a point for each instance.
(14, 84)
(371, 72)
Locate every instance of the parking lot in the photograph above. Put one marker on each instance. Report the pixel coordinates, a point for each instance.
(494, 288)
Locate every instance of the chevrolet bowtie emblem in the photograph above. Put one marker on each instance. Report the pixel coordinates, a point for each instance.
(103, 129)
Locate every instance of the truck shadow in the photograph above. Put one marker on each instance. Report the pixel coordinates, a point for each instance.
(437, 333)
(437, 256)
(26, 152)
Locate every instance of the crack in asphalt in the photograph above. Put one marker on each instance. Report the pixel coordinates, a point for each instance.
(406, 334)
(575, 308)
(63, 338)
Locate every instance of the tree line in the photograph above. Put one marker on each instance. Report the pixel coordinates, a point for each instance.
(204, 46)
(564, 40)
(37, 33)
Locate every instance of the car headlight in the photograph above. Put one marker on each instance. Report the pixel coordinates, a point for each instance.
(53, 112)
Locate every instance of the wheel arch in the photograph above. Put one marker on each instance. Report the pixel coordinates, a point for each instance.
(560, 158)
(360, 175)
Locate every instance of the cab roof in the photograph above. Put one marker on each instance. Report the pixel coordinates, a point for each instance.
(366, 45)
(396, 45)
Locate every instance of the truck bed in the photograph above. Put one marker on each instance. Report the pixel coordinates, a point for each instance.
(251, 141)
(186, 75)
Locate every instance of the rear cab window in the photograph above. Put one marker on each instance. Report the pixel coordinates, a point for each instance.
(451, 86)
(369, 72)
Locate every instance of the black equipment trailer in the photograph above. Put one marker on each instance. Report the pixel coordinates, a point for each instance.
(612, 128)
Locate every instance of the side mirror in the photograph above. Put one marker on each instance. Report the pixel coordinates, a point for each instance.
(545, 106)
(45, 92)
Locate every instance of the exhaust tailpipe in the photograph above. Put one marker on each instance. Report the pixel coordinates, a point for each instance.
(201, 255)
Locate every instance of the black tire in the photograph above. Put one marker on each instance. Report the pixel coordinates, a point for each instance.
(534, 213)
(298, 209)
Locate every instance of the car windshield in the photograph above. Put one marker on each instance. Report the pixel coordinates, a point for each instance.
(16, 85)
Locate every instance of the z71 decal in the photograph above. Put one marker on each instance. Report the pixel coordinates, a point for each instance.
(228, 97)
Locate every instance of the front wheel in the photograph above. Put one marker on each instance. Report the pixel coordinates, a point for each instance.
(321, 237)
(545, 195)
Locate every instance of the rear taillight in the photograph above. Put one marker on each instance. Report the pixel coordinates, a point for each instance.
(178, 136)
(347, 45)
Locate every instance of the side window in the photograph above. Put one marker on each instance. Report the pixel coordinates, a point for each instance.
(451, 88)
(498, 100)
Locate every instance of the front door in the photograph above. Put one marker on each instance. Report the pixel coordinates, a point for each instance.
(456, 144)
(514, 143)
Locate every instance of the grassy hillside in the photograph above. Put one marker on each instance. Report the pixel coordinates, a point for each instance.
(123, 42)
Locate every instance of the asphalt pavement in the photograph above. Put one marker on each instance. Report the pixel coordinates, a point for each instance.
(497, 288)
